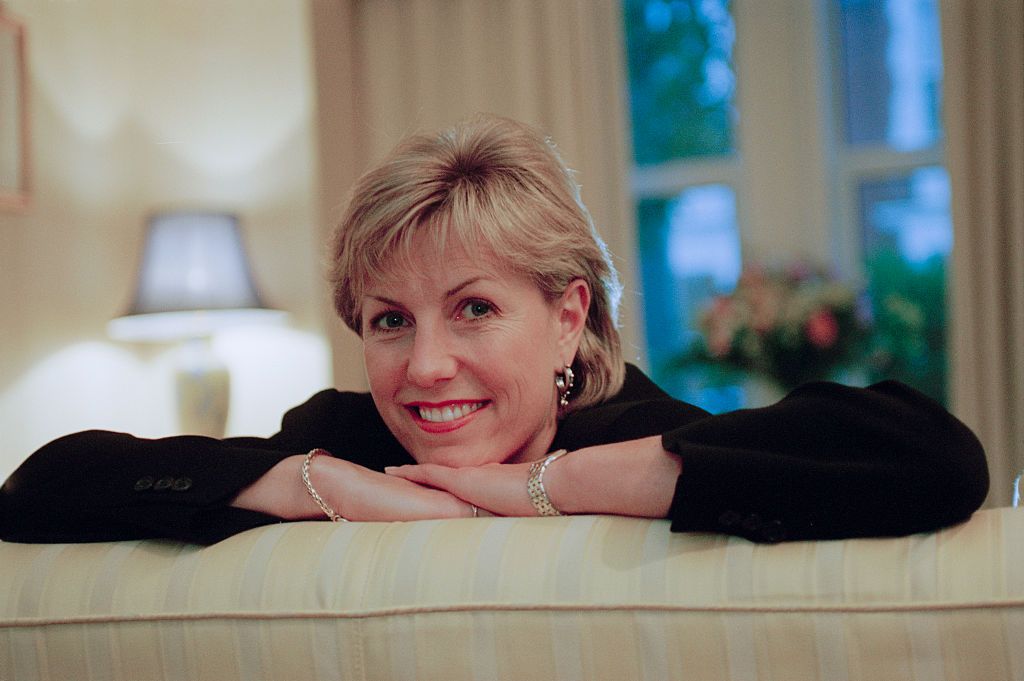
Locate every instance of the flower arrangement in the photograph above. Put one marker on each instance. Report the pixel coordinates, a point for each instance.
(790, 326)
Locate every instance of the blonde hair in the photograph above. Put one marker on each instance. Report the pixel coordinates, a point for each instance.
(490, 184)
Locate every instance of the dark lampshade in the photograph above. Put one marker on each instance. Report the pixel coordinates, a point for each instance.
(194, 279)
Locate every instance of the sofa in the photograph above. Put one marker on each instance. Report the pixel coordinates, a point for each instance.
(583, 597)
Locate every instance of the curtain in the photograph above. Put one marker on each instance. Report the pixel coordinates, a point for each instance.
(983, 53)
(386, 68)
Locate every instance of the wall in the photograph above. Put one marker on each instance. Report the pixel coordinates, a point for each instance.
(137, 107)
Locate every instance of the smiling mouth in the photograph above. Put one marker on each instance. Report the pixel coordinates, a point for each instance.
(446, 413)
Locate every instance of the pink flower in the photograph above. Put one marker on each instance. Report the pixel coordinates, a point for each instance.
(798, 272)
(718, 323)
(720, 343)
(765, 309)
(752, 277)
(822, 329)
(721, 306)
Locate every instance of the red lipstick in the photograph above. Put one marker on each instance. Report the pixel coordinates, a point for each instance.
(444, 417)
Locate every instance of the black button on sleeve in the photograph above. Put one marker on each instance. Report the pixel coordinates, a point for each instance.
(182, 484)
(142, 484)
(163, 484)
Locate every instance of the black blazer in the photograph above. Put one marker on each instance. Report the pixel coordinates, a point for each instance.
(828, 461)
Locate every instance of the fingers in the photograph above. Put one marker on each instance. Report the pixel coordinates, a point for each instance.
(424, 474)
(498, 488)
(440, 480)
(358, 493)
(405, 472)
(458, 482)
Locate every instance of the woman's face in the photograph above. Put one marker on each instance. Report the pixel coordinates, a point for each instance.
(461, 357)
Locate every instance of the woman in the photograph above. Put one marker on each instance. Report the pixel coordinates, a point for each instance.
(486, 304)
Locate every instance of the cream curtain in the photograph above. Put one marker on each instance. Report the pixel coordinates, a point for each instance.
(983, 47)
(386, 68)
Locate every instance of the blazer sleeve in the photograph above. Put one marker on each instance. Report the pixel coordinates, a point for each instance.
(828, 461)
(105, 486)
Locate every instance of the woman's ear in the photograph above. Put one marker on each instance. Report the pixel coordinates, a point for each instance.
(572, 309)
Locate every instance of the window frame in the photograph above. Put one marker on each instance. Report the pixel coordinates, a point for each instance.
(795, 178)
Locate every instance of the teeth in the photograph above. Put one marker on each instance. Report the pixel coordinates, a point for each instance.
(449, 413)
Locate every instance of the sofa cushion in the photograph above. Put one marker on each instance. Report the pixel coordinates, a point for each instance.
(584, 597)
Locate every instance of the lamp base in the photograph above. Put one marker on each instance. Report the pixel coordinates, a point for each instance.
(203, 387)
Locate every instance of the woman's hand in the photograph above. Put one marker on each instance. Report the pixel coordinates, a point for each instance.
(634, 478)
(498, 488)
(354, 492)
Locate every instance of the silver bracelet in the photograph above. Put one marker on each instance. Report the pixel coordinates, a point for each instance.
(535, 484)
(328, 511)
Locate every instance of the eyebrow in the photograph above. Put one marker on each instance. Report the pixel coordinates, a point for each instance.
(447, 294)
(469, 282)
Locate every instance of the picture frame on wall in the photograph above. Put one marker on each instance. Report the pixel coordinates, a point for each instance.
(15, 176)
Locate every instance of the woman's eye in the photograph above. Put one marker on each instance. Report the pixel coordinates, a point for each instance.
(390, 320)
(475, 309)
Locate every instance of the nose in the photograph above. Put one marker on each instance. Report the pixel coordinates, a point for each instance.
(432, 359)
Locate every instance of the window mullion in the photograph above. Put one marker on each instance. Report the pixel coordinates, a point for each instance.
(867, 162)
(670, 178)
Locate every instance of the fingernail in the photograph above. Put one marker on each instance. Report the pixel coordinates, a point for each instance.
(389, 469)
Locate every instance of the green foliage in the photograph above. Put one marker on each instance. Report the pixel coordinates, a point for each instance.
(680, 74)
(909, 310)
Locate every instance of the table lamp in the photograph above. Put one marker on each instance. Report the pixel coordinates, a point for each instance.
(194, 280)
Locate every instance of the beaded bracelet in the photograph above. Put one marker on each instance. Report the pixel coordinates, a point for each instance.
(535, 484)
(328, 511)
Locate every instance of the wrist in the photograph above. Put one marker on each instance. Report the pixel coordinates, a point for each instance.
(307, 482)
(634, 478)
(535, 484)
(562, 480)
(279, 492)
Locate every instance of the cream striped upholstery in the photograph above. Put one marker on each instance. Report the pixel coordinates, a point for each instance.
(554, 598)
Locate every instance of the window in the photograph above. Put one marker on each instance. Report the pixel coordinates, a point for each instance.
(685, 180)
(892, 179)
(808, 130)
